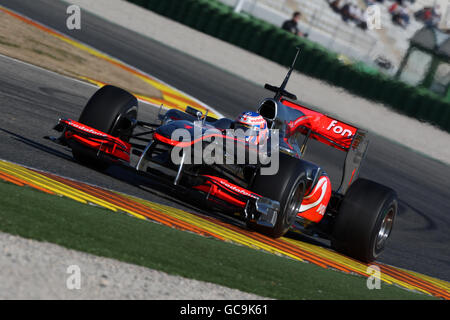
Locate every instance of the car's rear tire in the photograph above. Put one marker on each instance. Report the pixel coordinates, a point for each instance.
(287, 187)
(365, 220)
(111, 110)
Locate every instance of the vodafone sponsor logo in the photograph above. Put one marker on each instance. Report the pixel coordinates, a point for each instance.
(85, 129)
(339, 129)
(308, 201)
(255, 121)
(238, 190)
(297, 122)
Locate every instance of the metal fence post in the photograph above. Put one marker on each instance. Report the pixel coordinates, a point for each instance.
(239, 5)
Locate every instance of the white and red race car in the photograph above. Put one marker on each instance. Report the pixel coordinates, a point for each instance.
(357, 215)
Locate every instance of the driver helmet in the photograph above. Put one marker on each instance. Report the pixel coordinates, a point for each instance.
(255, 125)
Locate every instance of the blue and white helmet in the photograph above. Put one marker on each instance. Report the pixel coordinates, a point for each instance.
(257, 125)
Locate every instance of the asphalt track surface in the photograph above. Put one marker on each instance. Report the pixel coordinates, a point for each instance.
(31, 100)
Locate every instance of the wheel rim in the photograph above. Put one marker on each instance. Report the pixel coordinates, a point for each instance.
(385, 229)
(295, 202)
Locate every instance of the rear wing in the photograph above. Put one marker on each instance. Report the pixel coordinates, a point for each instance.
(322, 128)
(335, 133)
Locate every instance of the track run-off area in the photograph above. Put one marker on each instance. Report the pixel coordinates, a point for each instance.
(171, 97)
(212, 227)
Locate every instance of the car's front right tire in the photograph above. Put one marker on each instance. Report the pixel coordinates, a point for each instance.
(287, 187)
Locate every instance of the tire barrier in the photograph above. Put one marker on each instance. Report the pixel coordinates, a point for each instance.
(218, 20)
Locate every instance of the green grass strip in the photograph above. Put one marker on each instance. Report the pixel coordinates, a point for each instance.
(32, 214)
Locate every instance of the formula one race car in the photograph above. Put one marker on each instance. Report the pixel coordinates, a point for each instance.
(259, 173)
